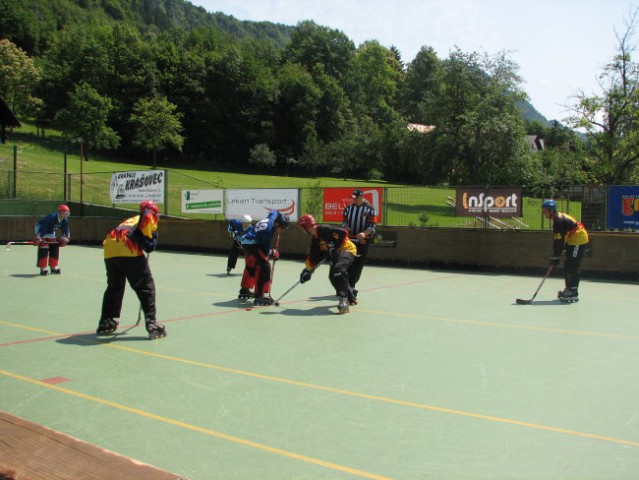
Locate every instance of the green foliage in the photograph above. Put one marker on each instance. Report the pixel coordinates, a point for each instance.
(314, 200)
(611, 120)
(85, 119)
(18, 74)
(262, 156)
(157, 125)
(303, 99)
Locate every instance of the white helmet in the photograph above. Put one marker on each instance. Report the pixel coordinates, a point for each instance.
(246, 219)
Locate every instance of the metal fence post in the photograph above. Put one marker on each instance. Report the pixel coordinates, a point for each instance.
(14, 186)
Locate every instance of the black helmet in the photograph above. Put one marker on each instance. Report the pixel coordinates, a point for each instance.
(283, 220)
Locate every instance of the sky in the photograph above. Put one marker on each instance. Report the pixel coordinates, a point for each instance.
(560, 46)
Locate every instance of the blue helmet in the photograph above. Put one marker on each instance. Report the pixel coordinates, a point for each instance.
(550, 205)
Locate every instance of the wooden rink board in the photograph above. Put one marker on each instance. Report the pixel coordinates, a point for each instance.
(39, 453)
(435, 374)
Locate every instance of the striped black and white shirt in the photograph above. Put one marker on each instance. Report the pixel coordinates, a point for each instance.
(358, 218)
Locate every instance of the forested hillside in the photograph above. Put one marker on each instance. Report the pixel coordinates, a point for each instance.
(167, 81)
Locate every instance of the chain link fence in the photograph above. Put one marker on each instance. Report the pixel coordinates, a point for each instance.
(413, 206)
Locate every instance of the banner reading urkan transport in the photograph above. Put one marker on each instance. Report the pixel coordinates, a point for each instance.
(495, 202)
(257, 203)
(137, 186)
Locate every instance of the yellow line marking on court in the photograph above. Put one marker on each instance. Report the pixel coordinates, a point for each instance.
(501, 325)
(32, 329)
(372, 397)
(195, 428)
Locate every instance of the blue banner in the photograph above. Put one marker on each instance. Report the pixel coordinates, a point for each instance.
(623, 207)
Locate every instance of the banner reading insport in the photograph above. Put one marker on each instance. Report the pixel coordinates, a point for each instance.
(496, 202)
(258, 202)
(136, 186)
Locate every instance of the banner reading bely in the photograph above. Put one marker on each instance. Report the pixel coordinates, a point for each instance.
(136, 186)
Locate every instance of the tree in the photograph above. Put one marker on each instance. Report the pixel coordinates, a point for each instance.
(18, 74)
(479, 134)
(422, 75)
(611, 120)
(373, 82)
(157, 125)
(296, 111)
(85, 117)
(312, 45)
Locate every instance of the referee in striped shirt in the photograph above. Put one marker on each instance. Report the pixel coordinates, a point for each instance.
(359, 221)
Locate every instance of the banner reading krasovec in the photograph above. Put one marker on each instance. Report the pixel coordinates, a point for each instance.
(202, 201)
(495, 202)
(136, 186)
(258, 202)
(336, 199)
(623, 207)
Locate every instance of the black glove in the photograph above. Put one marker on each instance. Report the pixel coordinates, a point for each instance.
(554, 261)
(150, 244)
(305, 276)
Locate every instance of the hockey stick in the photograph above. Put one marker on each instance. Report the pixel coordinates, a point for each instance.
(140, 309)
(277, 245)
(528, 302)
(31, 242)
(277, 302)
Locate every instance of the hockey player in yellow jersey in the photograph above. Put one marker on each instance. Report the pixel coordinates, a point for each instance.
(570, 237)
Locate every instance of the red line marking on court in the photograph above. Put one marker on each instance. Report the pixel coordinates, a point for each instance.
(213, 314)
(55, 380)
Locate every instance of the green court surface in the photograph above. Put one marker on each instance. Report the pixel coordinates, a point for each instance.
(434, 375)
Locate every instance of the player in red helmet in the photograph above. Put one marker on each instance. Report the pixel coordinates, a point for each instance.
(48, 244)
(306, 221)
(149, 205)
(124, 259)
(332, 242)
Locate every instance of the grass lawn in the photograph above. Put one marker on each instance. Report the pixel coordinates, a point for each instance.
(41, 176)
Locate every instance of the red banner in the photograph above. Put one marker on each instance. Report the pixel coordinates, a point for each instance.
(336, 199)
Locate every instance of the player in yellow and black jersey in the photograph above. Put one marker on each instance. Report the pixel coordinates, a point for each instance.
(570, 237)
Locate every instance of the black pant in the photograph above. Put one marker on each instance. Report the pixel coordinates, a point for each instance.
(136, 270)
(355, 271)
(574, 254)
(235, 251)
(339, 272)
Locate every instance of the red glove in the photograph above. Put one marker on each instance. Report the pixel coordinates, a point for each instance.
(275, 254)
(37, 240)
(63, 241)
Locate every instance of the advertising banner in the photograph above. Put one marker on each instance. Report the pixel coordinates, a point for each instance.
(258, 202)
(336, 199)
(494, 202)
(136, 186)
(202, 201)
(623, 207)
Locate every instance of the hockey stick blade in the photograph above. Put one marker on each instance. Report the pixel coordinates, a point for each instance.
(520, 301)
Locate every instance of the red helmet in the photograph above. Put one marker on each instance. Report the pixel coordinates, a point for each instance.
(306, 221)
(149, 205)
(63, 208)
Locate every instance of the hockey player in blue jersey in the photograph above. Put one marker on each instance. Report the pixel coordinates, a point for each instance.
(236, 229)
(48, 244)
(257, 249)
